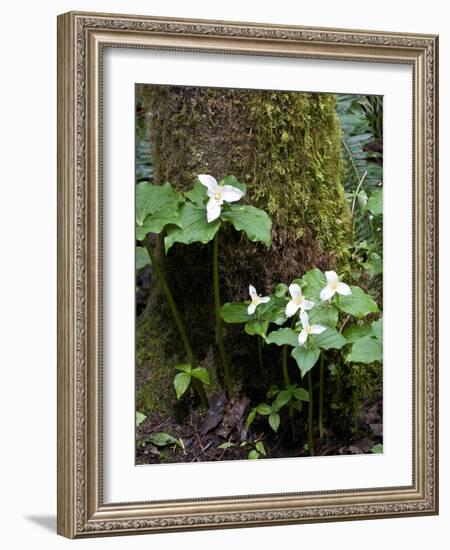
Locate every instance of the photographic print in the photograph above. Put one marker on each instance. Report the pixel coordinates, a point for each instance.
(247, 283)
(259, 274)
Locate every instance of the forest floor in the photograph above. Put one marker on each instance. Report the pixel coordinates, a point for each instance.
(221, 434)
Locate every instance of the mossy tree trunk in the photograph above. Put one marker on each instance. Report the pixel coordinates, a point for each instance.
(286, 146)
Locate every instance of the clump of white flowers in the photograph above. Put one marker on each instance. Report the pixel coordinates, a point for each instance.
(218, 194)
(308, 329)
(334, 285)
(297, 301)
(256, 300)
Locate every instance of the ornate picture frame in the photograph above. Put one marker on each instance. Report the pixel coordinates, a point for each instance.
(82, 38)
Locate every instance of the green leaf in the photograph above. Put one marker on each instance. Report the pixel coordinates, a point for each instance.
(155, 224)
(377, 449)
(156, 207)
(142, 257)
(283, 397)
(306, 358)
(366, 350)
(161, 439)
(358, 303)
(260, 448)
(251, 417)
(140, 417)
(264, 409)
(301, 394)
(184, 367)
(314, 281)
(375, 202)
(201, 374)
(272, 391)
(273, 311)
(274, 421)
(233, 181)
(355, 332)
(195, 227)
(255, 326)
(253, 221)
(329, 339)
(280, 290)
(152, 198)
(323, 313)
(226, 445)
(197, 194)
(283, 336)
(377, 329)
(235, 312)
(181, 383)
(374, 265)
(253, 455)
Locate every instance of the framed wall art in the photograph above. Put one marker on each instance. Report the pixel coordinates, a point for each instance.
(247, 284)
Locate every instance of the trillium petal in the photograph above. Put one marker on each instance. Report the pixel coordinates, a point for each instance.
(307, 304)
(230, 193)
(264, 299)
(302, 337)
(213, 209)
(291, 308)
(252, 291)
(343, 289)
(304, 318)
(326, 293)
(331, 276)
(208, 181)
(295, 290)
(317, 329)
(251, 309)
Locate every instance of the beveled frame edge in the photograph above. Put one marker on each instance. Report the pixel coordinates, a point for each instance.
(80, 38)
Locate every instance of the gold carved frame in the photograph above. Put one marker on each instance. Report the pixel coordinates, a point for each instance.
(81, 38)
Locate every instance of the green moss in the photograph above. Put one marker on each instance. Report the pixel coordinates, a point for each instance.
(155, 358)
(285, 145)
(351, 386)
(158, 350)
(298, 169)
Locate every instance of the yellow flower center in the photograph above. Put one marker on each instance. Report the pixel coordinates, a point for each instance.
(217, 195)
(298, 300)
(308, 329)
(333, 285)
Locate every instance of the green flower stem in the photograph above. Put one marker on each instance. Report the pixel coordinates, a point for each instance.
(321, 369)
(260, 355)
(356, 409)
(284, 360)
(284, 364)
(219, 329)
(287, 382)
(310, 415)
(197, 384)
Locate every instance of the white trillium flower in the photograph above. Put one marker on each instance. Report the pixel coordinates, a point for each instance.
(256, 300)
(307, 328)
(333, 286)
(218, 194)
(297, 301)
